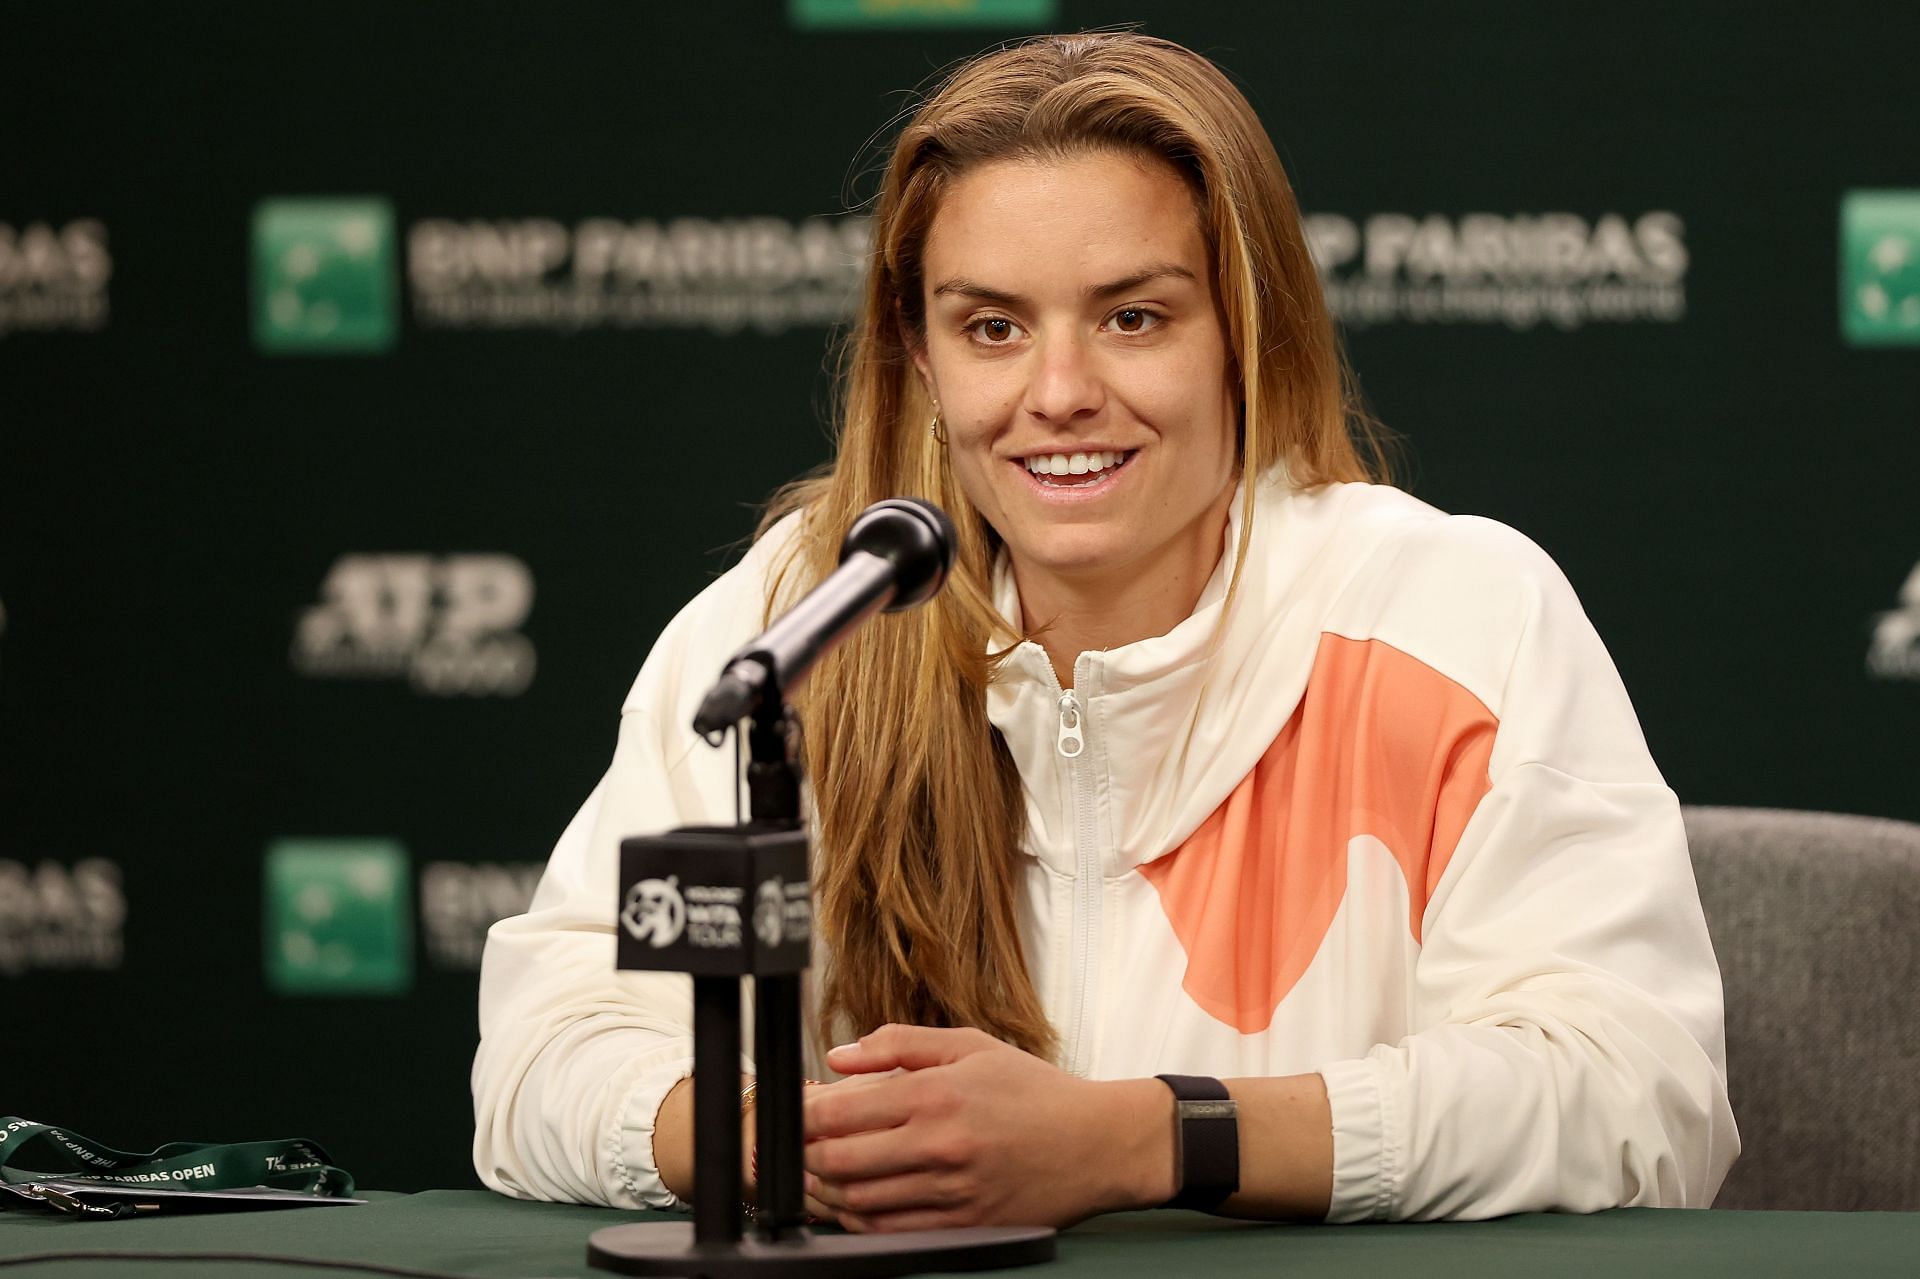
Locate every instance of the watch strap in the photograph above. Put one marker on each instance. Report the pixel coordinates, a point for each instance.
(1206, 1141)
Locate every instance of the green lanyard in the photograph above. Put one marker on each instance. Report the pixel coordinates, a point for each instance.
(32, 1152)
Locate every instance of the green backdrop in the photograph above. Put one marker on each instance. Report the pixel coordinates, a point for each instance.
(376, 380)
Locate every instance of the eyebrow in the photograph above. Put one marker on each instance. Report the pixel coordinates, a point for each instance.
(1094, 292)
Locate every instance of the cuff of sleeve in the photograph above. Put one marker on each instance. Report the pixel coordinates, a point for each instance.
(1366, 1157)
(632, 1141)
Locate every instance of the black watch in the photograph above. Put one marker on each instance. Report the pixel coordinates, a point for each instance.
(1206, 1141)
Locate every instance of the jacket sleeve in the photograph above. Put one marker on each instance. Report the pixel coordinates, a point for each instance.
(1569, 1052)
(575, 1058)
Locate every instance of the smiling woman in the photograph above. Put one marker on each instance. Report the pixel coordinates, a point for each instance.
(1235, 831)
(1072, 315)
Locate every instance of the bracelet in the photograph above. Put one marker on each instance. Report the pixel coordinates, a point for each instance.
(747, 1096)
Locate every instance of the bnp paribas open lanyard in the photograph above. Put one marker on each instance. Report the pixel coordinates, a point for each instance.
(59, 1168)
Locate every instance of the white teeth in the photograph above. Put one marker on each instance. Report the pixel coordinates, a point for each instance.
(1074, 463)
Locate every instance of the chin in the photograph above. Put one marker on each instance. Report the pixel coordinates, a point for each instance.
(1072, 551)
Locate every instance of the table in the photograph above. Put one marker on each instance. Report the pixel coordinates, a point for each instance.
(475, 1233)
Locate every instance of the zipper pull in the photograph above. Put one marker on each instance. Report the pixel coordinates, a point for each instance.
(1069, 742)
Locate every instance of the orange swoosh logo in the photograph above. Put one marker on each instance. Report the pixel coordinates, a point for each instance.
(1382, 745)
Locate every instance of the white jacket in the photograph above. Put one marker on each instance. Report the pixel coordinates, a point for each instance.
(1389, 817)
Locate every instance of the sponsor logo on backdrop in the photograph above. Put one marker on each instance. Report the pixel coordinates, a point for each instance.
(53, 275)
(1519, 270)
(447, 624)
(1895, 650)
(55, 917)
(1880, 268)
(812, 14)
(459, 901)
(336, 917)
(723, 275)
(323, 276)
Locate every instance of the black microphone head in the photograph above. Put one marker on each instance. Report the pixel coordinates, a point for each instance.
(916, 537)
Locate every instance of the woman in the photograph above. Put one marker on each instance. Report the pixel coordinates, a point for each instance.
(1213, 758)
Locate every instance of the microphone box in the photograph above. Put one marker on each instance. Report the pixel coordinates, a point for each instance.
(715, 901)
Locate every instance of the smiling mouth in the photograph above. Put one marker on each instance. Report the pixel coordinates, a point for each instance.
(1076, 470)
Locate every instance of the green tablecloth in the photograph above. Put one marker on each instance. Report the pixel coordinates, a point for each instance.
(475, 1233)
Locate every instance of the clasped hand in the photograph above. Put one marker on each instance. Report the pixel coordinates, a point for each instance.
(937, 1128)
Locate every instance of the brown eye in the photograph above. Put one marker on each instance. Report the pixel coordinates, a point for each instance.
(997, 330)
(1133, 320)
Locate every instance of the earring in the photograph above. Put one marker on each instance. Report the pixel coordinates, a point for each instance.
(933, 429)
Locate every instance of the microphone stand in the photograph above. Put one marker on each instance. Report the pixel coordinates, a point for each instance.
(682, 895)
(773, 798)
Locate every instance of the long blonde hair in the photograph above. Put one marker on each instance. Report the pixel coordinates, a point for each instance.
(918, 803)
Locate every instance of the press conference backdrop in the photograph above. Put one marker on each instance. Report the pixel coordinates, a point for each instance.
(377, 380)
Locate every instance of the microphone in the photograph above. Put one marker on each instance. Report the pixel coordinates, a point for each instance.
(896, 554)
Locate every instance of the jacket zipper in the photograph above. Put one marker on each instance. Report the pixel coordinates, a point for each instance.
(1071, 743)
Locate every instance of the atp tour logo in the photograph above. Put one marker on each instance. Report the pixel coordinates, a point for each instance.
(1895, 651)
(724, 275)
(54, 276)
(448, 625)
(61, 918)
(460, 901)
(1519, 270)
(655, 912)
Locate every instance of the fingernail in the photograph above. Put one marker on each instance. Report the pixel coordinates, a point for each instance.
(840, 1048)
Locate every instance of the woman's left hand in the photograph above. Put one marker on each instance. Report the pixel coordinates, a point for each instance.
(955, 1128)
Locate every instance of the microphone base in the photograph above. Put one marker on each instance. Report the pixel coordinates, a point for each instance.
(669, 1248)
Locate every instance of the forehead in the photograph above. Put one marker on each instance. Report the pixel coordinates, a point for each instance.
(1074, 220)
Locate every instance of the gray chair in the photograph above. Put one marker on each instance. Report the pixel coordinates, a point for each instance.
(1816, 921)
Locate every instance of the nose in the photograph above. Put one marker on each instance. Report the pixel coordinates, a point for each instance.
(1066, 382)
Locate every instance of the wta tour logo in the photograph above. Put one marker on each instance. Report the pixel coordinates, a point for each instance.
(1880, 268)
(323, 276)
(655, 912)
(449, 625)
(1520, 271)
(660, 912)
(769, 912)
(1895, 651)
(54, 276)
